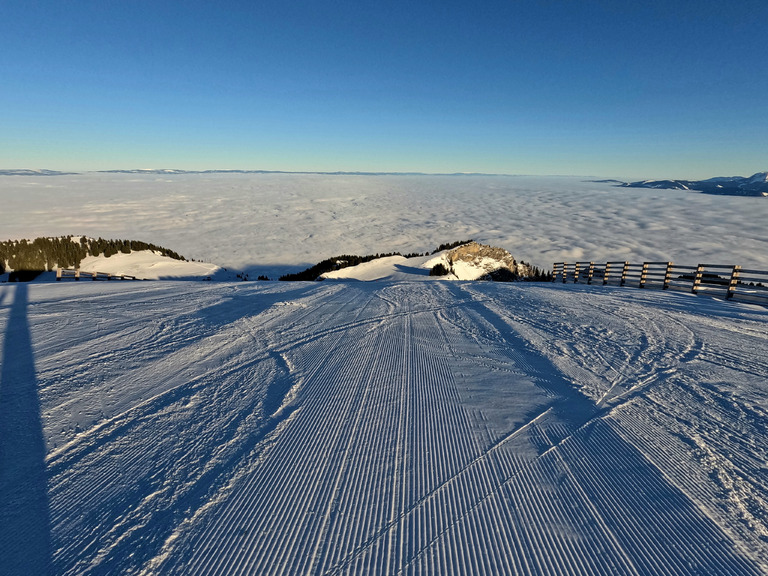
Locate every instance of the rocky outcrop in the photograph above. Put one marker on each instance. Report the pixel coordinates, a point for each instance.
(475, 261)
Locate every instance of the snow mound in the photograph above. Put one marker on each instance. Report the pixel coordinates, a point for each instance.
(393, 268)
(149, 265)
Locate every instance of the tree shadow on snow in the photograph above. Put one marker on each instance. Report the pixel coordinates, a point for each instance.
(252, 303)
(412, 270)
(25, 539)
(571, 406)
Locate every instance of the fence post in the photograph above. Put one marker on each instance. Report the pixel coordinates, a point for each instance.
(58, 274)
(643, 275)
(590, 272)
(77, 274)
(554, 271)
(605, 274)
(697, 278)
(624, 274)
(667, 275)
(565, 271)
(734, 281)
(576, 272)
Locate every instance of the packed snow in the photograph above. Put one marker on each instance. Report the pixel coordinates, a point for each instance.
(380, 428)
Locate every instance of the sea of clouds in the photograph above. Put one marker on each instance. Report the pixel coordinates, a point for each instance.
(273, 223)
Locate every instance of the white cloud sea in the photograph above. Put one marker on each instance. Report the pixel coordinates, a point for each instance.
(272, 223)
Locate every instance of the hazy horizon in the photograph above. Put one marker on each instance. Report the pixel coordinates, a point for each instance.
(538, 88)
(213, 170)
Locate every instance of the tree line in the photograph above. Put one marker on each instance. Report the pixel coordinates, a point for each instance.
(44, 254)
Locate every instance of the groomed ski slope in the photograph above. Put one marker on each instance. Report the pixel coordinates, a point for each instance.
(381, 428)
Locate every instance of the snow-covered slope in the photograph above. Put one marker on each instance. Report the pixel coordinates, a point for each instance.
(471, 261)
(388, 268)
(149, 265)
(146, 265)
(380, 428)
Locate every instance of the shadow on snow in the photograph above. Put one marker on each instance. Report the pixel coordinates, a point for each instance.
(652, 521)
(25, 539)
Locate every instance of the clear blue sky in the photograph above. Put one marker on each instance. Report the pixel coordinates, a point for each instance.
(588, 87)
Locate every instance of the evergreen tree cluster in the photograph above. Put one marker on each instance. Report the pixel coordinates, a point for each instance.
(439, 269)
(536, 274)
(451, 246)
(43, 254)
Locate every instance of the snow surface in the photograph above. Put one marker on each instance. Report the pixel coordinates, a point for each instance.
(148, 265)
(277, 223)
(399, 268)
(380, 428)
(389, 268)
(143, 265)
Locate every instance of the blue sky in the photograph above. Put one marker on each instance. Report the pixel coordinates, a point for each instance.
(595, 87)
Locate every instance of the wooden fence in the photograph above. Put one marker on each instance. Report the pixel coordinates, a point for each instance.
(66, 274)
(730, 282)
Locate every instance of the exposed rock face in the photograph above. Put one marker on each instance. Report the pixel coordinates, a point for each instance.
(487, 262)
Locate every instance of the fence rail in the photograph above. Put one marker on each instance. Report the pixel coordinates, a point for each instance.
(67, 274)
(724, 280)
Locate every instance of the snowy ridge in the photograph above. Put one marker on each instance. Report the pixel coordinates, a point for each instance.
(384, 428)
(34, 172)
(148, 265)
(145, 265)
(755, 185)
(471, 261)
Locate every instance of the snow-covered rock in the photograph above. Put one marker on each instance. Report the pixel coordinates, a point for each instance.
(475, 261)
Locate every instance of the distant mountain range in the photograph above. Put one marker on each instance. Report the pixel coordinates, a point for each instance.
(41, 172)
(170, 171)
(337, 173)
(755, 185)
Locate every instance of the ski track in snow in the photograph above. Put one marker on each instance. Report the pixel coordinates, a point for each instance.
(394, 428)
